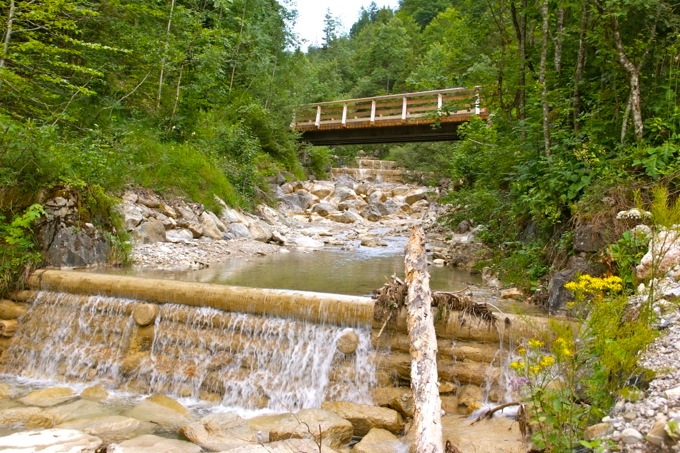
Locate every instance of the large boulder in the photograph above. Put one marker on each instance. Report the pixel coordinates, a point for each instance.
(73, 246)
(321, 189)
(239, 230)
(65, 412)
(47, 397)
(663, 256)
(260, 231)
(323, 209)
(218, 432)
(416, 195)
(345, 217)
(365, 417)
(212, 226)
(50, 440)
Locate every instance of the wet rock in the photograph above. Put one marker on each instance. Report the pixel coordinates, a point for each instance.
(17, 415)
(11, 310)
(285, 446)
(52, 441)
(145, 314)
(150, 231)
(404, 404)
(334, 431)
(95, 393)
(59, 414)
(348, 342)
(364, 417)
(162, 410)
(379, 441)
(8, 327)
(110, 428)
(372, 241)
(48, 397)
(217, 432)
(305, 242)
(149, 443)
(497, 435)
(470, 399)
(512, 293)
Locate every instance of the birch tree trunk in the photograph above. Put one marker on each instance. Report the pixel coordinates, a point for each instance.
(8, 33)
(427, 415)
(634, 77)
(165, 55)
(520, 23)
(580, 65)
(545, 13)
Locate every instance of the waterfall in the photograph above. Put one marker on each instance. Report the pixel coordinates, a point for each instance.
(240, 360)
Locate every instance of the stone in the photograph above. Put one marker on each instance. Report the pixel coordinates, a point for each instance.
(75, 247)
(145, 314)
(162, 410)
(348, 342)
(657, 434)
(438, 262)
(596, 431)
(52, 441)
(323, 209)
(17, 415)
(415, 196)
(344, 217)
(149, 232)
(148, 199)
(663, 254)
(195, 228)
(148, 443)
(497, 435)
(240, 230)
(8, 327)
(210, 227)
(389, 207)
(11, 310)
(217, 432)
(130, 196)
(343, 193)
(377, 196)
(305, 242)
(351, 204)
(260, 231)
(321, 189)
(371, 213)
(65, 412)
(372, 241)
(110, 428)
(379, 441)
(95, 393)
(404, 404)
(630, 436)
(470, 399)
(587, 238)
(132, 215)
(512, 293)
(47, 397)
(181, 235)
(364, 417)
(285, 446)
(306, 199)
(334, 431)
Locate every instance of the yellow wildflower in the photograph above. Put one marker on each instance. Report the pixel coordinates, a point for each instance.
(547, 361)
(535, 343)
(521, 351)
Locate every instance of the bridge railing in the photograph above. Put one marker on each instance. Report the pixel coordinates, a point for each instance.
(439, 105)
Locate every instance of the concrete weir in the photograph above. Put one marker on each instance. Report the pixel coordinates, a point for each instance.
(314, 307)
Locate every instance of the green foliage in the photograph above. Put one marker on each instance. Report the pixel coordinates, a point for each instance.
(626, 254)
(570, 378)
(18, 253)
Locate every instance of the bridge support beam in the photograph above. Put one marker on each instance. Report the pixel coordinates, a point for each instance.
(396, 134)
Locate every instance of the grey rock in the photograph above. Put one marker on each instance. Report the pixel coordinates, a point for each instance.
(149, 232)
(323, 209)
(181, 235)
(75, 247)
(50, 440)
(239, 230)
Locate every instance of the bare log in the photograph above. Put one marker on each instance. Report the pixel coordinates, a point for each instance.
(427, 421)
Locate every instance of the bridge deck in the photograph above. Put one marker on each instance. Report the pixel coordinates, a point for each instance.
(423, 116)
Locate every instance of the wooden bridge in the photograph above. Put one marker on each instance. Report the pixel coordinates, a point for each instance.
(396, 118)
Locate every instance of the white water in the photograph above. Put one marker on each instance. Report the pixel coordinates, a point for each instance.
(252, 362)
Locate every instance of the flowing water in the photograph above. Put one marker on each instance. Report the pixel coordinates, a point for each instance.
(249, 362)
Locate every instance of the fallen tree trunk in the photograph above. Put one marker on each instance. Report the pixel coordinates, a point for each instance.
(424, 379)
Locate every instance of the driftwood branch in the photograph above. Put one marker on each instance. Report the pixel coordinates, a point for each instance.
(427, 421)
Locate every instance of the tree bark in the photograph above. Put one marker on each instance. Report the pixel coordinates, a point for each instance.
(165, 54)
(8, 33)
(559, 36)
(423, 340)
(520, 23)
(580, 65)
(545, 13)
(634, 78)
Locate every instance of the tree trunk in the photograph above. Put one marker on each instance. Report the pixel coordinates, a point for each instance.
(423, 340)
(634, 77)
(580, 65)
(545, 13)
(165, 54)
(559, 36)
(520, 23)
(8, 33)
